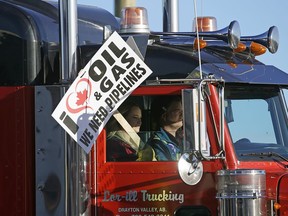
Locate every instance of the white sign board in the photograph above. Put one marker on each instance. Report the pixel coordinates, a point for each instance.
(99, 89)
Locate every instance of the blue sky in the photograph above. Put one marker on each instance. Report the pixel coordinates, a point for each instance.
(255, 17)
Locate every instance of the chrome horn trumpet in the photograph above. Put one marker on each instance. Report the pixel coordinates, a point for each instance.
(230, 34)
(269, 39)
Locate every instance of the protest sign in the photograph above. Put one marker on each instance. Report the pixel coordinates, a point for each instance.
(99, 89)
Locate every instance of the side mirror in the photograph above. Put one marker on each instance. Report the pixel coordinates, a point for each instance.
(196, 140)
(194, 122)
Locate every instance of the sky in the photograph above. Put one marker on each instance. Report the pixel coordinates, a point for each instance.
(255, 17)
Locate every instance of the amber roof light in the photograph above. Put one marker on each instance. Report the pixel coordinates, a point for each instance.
(134, 20)
(205, 24)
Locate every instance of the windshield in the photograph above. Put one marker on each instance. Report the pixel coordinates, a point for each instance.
(257, 122)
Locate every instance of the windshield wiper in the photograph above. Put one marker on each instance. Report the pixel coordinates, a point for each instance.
(267, 154)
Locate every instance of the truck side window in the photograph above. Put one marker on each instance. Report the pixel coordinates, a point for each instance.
(11, 59)
(145, 130)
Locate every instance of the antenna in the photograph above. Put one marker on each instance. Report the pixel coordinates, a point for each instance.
(198, 41)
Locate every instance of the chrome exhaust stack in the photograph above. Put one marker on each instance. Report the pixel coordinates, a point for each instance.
(170, 16)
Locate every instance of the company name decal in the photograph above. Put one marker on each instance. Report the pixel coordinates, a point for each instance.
(143, 195)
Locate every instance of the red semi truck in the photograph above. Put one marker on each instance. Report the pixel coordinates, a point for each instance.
(235, 126)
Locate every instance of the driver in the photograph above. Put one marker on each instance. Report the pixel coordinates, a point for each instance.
(166, 141)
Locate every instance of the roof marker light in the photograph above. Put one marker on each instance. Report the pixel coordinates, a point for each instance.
(232, 63)
(134, 20)
(202, 44)
(241, 47)
(257, 49)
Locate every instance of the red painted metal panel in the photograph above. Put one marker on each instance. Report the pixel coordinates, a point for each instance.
(17, 151)
(131, 188)
(282, 193)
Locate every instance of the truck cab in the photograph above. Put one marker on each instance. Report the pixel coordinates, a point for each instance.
(234, 138)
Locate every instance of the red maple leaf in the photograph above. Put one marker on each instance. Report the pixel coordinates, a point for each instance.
(82, 96)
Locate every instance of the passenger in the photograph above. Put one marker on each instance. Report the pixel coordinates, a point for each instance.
(165, 141)
(120, 145)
